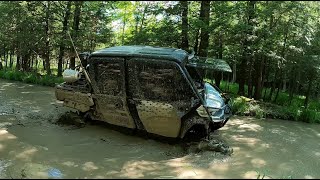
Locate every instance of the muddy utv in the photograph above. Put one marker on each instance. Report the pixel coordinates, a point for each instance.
(157, 90)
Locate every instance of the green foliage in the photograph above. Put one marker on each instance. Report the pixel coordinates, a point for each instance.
(308, 116)
(283, 99)
(245, 106)
(31, 78)
(287, 113)
(240, 106)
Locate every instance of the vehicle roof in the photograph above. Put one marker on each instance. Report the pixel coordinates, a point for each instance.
(173, 54)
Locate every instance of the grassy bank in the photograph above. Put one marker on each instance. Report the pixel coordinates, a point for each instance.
(31, 77)
(280, 109)
(248, 107)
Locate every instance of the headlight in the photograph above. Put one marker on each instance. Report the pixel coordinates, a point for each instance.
(213, 112)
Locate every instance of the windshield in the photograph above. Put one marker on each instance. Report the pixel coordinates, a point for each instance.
(209, 64)
(196, 76)
(197, 66)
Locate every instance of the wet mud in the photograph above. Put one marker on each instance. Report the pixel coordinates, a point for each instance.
(35, 142)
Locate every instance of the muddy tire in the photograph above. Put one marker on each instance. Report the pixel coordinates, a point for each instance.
(71, 118)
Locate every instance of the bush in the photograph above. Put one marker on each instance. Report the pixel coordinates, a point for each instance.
(1, 73)
(308, 116)
(30, 78)
(289, 113)
(282, 99)
(239, 106)
(314, 105)
(259, 112)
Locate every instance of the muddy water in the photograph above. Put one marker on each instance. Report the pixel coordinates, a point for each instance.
(31, 146)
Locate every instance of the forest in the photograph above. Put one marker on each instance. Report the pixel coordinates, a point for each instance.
(272, 46)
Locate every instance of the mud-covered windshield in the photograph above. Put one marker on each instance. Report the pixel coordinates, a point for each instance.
(196, 76)
(196, 67)
(209, 64)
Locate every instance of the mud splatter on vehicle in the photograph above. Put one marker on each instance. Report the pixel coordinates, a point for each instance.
(157, 90)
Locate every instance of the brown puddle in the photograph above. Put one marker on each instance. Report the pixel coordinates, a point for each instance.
(31, 146)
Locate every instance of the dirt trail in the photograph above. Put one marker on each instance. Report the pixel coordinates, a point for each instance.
(32, 147)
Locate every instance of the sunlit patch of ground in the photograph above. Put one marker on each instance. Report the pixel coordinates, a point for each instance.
(5, 135)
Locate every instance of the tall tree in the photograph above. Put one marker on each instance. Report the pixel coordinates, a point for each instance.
(204, 34)
(47, 38)
(63, 37)
(247, 53)
(75, 30)
(184, 25)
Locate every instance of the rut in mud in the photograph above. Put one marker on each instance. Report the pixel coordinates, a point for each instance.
(32, 146)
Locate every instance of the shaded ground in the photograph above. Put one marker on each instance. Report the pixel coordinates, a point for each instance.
(30, 145)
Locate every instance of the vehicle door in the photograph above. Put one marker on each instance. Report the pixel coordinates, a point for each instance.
(108, 80)
(160, 93)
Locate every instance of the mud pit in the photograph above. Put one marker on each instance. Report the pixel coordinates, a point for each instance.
(31, 146)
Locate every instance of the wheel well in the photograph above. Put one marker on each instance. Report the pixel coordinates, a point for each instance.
(196, 132)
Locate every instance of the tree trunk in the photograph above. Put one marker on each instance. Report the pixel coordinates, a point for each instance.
(242, 75)
(284, 83)
(250, 73)
(278, 85)
(218, 75)
(277, 94)
(267, 78)
(37, 62)
(5, 56)
(25, 62)
(32, 59)
(44, 65)
(234, 72)
(143, 18)
(18, 62)
(306, 101)
(291, 85)
(282, 55)
(62, 45)
(204, 35)
(247, 52)
(273, 84)
(136, 18)
(11, 61)
(184, 26)
(259, 79)
(124, 24)
(76, 22)
(47, 46)
(196, 42)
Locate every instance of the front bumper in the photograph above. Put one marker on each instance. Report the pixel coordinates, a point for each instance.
(223, 115)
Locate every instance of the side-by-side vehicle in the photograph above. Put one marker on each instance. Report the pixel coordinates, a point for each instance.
(152, 89)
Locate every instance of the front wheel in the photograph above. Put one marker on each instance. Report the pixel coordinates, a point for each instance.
(84, 115)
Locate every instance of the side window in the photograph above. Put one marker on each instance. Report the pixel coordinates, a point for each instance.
(108, 75)
(153, 79)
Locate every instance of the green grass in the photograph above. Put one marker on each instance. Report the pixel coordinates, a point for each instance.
(30, 77)
(295, 112)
